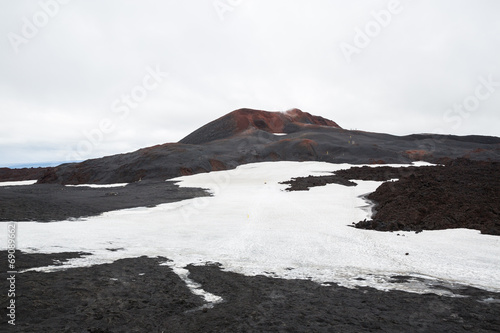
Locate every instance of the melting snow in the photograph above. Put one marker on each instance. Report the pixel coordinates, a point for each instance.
(252, 226)
(194, 287)
(18, 183)
(100, 185)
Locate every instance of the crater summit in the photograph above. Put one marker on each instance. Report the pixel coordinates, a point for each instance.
(248, 120)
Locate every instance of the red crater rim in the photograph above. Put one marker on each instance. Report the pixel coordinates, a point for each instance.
(249, 120)
(275, 122)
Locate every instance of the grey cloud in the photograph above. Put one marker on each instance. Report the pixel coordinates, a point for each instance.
(268, 55)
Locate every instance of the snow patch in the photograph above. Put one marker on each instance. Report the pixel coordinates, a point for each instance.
(19, 183)
(194, 287)
(100, 185)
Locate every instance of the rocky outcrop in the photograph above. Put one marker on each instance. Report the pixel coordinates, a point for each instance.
(461, 194)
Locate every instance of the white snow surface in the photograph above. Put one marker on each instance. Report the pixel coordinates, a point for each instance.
(19, 183)
(100, 185)
(252, 226)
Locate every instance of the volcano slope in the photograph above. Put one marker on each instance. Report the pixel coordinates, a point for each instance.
(246, 136)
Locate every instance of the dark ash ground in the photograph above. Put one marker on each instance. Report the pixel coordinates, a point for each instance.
(116, 298)
(55, 202)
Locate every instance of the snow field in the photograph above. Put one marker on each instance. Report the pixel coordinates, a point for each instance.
(252, 226)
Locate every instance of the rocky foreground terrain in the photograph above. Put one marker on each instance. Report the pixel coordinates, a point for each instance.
(139, 295)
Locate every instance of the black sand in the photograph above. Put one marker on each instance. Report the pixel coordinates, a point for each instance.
(139, 295)
(53, 202)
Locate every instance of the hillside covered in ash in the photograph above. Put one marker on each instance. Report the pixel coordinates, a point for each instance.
(247, 136)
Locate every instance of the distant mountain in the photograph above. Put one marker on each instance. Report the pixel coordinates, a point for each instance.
(245, 136)
(37, 165)
(14, 174)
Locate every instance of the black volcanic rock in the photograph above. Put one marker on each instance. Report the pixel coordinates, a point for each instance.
(305, 183)
(246, 136)
(461, 194)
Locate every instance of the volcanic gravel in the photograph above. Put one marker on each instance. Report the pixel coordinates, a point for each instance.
(139, 295)
(53, 202)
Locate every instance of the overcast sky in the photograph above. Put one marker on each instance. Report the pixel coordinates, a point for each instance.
(82, 79)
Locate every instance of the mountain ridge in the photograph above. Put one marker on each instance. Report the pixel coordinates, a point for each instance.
(247, 136)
